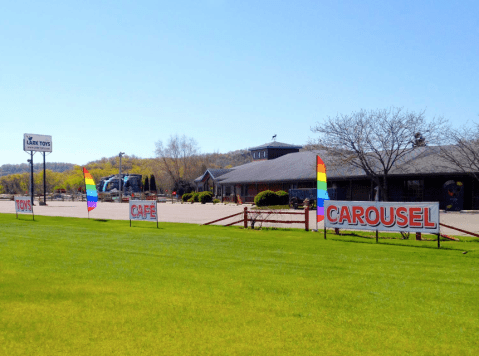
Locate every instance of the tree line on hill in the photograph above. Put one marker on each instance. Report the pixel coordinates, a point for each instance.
(7, 169)
(70, 177)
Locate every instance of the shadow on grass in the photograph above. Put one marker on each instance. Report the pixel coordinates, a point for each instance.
(28, 219)
(391, 241)
(147, 227)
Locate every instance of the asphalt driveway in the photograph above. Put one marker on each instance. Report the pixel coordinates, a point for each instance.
(202, 213)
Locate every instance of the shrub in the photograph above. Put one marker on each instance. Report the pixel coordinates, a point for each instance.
(185, 197)
(205, 197)
(191, 200)
(283, 197)
(216, 201)
(266, 198)
(196, 197)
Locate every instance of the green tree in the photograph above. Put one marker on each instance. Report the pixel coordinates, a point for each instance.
(146, 185)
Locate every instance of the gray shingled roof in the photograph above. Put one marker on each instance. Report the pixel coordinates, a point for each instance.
(214, 173)
(292, 166)
(302, 166)
(274, 144)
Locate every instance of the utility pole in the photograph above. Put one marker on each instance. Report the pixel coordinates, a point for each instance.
(119, 178)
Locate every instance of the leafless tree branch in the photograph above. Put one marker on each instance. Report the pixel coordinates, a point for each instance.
(461, 150)
(376, 141)
(179, 158)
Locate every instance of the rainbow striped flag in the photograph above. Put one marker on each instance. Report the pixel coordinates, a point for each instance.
(91, 193)
(322, 191)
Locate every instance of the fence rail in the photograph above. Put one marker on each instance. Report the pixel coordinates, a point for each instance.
(226, 217)
(461, 230)
(247, 219)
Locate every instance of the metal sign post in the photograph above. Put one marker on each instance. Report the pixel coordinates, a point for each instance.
(37, 143)
(44, 183)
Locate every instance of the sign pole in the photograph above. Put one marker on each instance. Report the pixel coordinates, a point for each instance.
(31, 176)
(316, 171)
(44, 181)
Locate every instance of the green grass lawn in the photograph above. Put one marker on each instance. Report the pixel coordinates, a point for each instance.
(88, 287)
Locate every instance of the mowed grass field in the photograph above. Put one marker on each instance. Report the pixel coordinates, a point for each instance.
(87, 287)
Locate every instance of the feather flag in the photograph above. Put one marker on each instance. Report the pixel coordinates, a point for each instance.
(91, 193)
(322, 191)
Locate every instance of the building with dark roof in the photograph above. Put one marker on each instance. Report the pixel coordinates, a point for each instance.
(272, 150)
(422, 175)
(209, 181)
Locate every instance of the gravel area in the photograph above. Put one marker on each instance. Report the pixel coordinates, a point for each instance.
(202, 213)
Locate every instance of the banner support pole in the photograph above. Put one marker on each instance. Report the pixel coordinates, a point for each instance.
(84, 184)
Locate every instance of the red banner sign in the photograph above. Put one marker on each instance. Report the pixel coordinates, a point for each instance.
(143, 210)
(382, 216)
(23, 205)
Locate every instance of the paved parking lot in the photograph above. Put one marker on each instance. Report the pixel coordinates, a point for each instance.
(202, 213)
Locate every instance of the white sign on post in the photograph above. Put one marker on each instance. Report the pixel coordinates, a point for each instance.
(40, 143)
(144, 210)
(23, 205)
(382, 216)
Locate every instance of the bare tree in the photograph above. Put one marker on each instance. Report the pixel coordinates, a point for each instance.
(257, 217)
(375, 141)
(179, 158)
(462, 149)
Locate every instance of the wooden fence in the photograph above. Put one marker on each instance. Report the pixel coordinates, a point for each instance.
(262, 216)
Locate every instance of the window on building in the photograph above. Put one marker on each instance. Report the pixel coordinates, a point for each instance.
(415, 190)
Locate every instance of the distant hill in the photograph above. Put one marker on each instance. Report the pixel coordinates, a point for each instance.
(230, 159)
(15, 178)
(7, 169)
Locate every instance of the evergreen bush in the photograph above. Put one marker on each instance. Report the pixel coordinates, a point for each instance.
(152, 183)
(146, 186)
(205, 197)
(185, 197)
(283, 197)
(266, 198)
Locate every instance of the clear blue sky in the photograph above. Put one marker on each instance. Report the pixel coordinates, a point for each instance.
(102, 77)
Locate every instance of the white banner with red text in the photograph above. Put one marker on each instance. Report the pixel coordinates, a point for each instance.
(23, 205)
(382, 216)
(144, 210)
